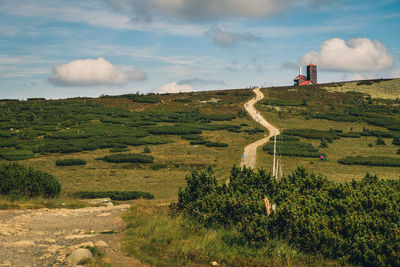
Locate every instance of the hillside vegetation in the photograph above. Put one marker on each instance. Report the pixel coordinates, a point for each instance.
(386, 89)
(338, 125)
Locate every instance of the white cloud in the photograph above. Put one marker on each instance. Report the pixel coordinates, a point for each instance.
(174, 87)
(146, 10)
(90, 72)
(227, 38)
(357, 54)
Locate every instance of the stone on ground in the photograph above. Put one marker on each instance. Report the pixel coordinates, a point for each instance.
(79, 255)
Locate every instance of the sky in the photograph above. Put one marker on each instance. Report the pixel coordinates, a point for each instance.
(73, 48)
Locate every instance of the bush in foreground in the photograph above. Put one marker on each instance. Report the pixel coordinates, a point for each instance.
(70, 162)
(114, 195)
(354, 222)
(18, 181)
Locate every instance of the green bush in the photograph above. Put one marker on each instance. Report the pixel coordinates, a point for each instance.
(371, 161)
(146, 149)
(173, 130)
(215, 144)
(354, 222)
(128, 157)
(144, 99)
(292, 148)
(118, 149)
(70, 162)
(312, 133)
(114, 195)
(183, 100)
(18, 181)
(14, 155)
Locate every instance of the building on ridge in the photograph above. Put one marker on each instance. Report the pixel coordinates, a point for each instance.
(312, 73)
(311, 76)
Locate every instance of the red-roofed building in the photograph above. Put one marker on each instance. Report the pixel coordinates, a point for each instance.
(306, 83)
(300, 79)
(311, 76)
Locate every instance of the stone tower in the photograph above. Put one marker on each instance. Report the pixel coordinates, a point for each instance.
(312, 73)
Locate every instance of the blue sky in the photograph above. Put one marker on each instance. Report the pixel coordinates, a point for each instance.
(58, 49)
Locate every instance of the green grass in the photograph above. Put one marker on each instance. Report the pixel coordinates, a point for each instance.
(319, 100)
(155, 237)
(387, 89)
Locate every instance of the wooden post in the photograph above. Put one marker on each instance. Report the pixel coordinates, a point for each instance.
(267, 206)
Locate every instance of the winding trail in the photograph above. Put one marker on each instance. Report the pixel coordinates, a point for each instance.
(250, 151)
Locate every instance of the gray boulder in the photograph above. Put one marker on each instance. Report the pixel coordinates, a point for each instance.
(79, 255)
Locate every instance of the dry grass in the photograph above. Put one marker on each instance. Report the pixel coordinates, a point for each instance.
(385, 89)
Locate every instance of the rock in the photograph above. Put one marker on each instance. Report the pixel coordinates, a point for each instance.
(49, 240)
(21, 244)
(214, 263)
(79, 255)
(101, 243)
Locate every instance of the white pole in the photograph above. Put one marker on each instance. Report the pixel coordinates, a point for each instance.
(273, 167)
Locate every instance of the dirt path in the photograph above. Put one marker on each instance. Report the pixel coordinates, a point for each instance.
(250, 151)
(45, 237)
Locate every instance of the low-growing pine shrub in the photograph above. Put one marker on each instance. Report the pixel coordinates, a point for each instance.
(15, 155)
(18, 181)
(70, 162)
(128, 158)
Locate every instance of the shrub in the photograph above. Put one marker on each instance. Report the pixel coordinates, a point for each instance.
(292, 148)
(14, 155)
(396, 141)
(114, 195)
(175, 130)
(380, 141)
(354, 222)
(324, 143)
(18, 181)
(144, 99)
(118, 149)
(128, 157)
(215, 144)
(254, 130)
(371, 161)
(146, 149)
(311, 133)
(70, 162)
(183, 100)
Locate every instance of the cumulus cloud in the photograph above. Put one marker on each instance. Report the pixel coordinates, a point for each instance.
(198, 81)
(227, 38)
(91, 72)
(174, 87)
(146, 10)
(357, 54)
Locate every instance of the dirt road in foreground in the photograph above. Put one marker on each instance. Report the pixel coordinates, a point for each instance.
(250, 151)
(45, 237)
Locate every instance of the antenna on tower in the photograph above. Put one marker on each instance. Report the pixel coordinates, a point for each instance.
(300, 71)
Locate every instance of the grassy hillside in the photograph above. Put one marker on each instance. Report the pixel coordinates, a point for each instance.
(359, 118)
(386, 89)
(182, 132)
(90, 129)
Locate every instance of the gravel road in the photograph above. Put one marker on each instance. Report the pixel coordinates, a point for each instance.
(250, 151)
(45, 237)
